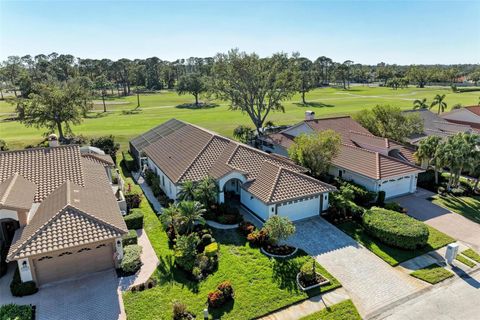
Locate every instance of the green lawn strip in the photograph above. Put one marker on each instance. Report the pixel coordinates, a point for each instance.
(392, 255)
(465, 261)
(432, 274)
(469, 207)
(471, 254)
(261, 285)
(344, 310)
(159, 107)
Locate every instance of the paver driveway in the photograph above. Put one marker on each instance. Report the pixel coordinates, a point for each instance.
(370, 281)
(440, 218)
(94, 297)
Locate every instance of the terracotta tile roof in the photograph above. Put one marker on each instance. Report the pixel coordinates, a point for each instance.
(192, 153)
(17, 192)
(283, 179)
(69, 228)
(47, 168)
(369, 139)
(342, 125)
(474, 109)
(103, 159)
(93, 198)
(95, 202)
(372, 164)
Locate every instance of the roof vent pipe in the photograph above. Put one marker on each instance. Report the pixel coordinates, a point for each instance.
(53, 140)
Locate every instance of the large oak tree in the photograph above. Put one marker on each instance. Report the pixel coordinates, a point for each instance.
(254, 85)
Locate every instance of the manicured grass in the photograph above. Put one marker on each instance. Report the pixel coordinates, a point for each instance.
(341, 311)
(432, 274)
(469, 207)
(465, 261)
(261, 285)
(389, 254)
(471, 254)
(157, 108)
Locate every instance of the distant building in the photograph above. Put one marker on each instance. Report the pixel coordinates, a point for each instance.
(469, 116)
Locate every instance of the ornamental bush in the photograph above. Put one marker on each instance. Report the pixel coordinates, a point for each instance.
(394, 228)
(133, 200)
(16, 312)
(134, 220)
(129, 238)
(307, 271)
(211, 250)
(131, 261)
(19, 288)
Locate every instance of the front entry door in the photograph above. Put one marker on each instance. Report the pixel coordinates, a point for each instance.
(8, 230)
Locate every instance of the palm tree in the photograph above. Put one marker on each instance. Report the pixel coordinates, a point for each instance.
(170, 217)
(187, 191)
(426, 154)
(206, 192)
(191, 212)
(420, 104)
(438, 101)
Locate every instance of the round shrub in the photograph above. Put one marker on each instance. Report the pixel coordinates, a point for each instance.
(396, 229)
(307, 271)
(131, 261)
(129, 238)
(19, 288)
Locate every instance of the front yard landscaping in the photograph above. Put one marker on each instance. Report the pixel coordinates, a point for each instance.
(341, 311)
(465, 261)
(471, 254)
(432, 274)
(16, 312)
(261, 284)
(469, 207)
(390, 254)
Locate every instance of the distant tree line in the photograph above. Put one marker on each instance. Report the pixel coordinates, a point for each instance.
(124, 76)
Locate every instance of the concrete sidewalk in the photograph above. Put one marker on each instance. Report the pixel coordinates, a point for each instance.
(309, 306)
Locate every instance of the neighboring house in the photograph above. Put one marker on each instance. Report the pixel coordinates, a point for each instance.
(264, 184)
(469, 116)
(377, 163)
(435, 125)
(58, 212)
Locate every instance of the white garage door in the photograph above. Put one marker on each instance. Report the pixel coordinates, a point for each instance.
(71, 263)
(396, 187)
(300, 209)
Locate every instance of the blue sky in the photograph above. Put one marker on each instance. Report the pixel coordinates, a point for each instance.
(401, 32)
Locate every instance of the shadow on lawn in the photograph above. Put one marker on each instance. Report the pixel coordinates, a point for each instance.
(314, 105)
(220, 312)
(168, 272)
(200, 106)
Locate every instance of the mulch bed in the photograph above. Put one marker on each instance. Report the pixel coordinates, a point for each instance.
(282, 250)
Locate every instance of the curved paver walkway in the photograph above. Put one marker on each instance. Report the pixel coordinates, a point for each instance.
(370, 281)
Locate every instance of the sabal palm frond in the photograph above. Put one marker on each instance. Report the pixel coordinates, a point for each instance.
(438, 101)
(191, 212)
(420, 104)
(187, 191)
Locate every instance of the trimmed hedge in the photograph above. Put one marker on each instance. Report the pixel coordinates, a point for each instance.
(16, 312)
(134, 220)
(19, 288)
(129, 161)
(131, 261)
(394, 228)
(129, 238)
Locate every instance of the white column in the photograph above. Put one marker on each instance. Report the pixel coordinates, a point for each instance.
(119, 248)
(25, 270)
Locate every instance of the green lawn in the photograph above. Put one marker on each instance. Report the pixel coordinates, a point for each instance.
(465, 261)
(469, 207)
(261, 285)
(432, 274)
(392, 255)
(160, 107)
(341, 311)
(472, 255)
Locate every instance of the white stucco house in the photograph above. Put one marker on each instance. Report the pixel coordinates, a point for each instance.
(265, 184)
(378, 164)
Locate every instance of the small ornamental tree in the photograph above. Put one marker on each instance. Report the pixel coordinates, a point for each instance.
(186, 251)
(279, 228)
(315, 151)
(107, 144)
(193, 84)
